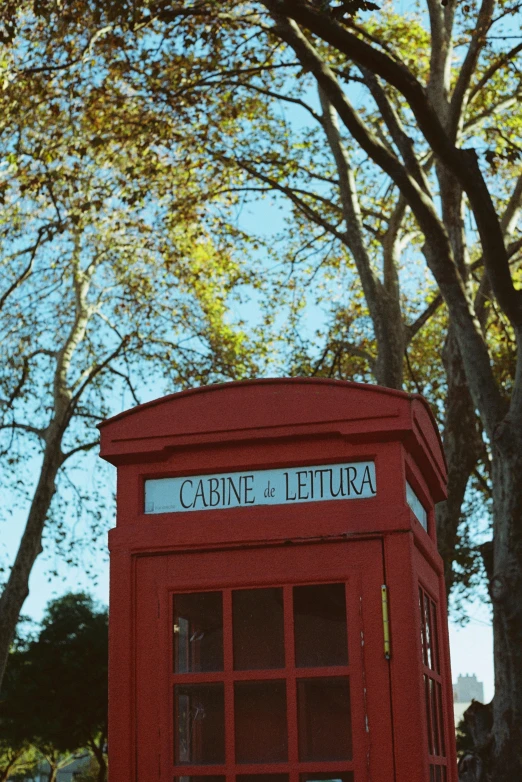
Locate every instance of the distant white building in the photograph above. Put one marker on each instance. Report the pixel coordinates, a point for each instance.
(69, 773)
(466, 689)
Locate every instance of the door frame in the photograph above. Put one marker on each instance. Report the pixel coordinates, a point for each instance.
(358, 563)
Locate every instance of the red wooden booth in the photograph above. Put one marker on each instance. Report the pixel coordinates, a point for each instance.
(277, 606)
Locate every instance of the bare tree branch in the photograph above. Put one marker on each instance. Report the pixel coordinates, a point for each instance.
(480, 296)
(80, 448)
(492, 109)
(511, 214)
(281, 97)
(32, 250)
(401, 139)
(413, 328)
(504, 59)
(391, 245)
(95, 370)
(128, 383)
(305, 208)
(441, 24)
(25, 428)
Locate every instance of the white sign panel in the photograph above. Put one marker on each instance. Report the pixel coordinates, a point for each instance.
(261, 487)
(416, 506)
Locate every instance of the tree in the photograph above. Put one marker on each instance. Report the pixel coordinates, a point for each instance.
(418, 131)
(55, 696)
(16, 758)
(110, 281)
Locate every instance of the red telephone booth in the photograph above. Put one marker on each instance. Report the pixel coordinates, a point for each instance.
(277, 609)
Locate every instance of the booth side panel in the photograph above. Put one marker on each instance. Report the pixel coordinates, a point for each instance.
(121, 668)
(408, 710)
(433, 582)
(130, 494)
(450, 717)
(150, 576)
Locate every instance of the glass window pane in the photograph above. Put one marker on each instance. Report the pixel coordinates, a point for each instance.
(260, 722)
(258, 629)
(198, 632)
(324, 721)
(200, 723)
(441, 720)
(333, 776)
(435, 637)
(320, 625)
(427, 630)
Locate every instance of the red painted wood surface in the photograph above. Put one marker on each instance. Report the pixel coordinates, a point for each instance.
(361, 543)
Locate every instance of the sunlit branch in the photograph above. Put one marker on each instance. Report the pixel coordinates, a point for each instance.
(511, 214)
(80, 448)
(493, 68)
(311, 213)
(283, 97)
(47, 229)
(349, 348)
(492, 109)
(391, 244)
(95, 370)
(467, 69)
(24, 428)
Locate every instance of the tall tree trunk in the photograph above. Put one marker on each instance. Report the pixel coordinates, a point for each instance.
(462, 441)
(506, 596)
(17, 586)
(390, 338)
(463, 447)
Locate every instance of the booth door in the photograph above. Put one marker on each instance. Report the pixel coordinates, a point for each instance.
(263, 665)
